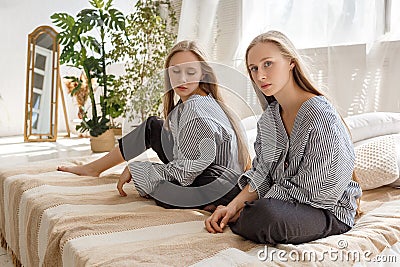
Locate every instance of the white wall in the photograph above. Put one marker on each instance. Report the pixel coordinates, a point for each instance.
(18, 18)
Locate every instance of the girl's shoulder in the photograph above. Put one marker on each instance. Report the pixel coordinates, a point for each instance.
(200, 104)
(198, 100)
(320, 113)
(204, 108)
(322, 107)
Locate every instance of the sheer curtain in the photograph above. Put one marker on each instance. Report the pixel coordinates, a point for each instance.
(214, 24)
(353, 45)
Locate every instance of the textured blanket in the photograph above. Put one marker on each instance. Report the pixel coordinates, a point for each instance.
(49, 218)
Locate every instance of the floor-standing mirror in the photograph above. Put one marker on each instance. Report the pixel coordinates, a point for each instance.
(42, 86)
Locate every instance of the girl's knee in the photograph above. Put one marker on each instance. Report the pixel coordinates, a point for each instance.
(263, 222)
(151, 120)
(267, 208)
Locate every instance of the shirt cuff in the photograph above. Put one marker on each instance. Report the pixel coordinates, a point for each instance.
(139, 172)
(245, 180)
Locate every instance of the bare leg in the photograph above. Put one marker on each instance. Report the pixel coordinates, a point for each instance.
(130, 146)
(95, 168)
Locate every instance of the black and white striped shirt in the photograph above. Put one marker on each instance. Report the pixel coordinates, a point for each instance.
(202, 135)
(313, 165)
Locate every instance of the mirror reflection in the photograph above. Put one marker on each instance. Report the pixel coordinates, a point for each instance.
(42, 85)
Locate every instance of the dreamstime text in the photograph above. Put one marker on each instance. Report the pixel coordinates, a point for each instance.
(339, 254)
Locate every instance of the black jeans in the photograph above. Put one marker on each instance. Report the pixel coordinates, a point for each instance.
(152, 134)
(273, 221)
(149, 134)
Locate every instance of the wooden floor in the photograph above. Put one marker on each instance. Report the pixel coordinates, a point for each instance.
(13, 150)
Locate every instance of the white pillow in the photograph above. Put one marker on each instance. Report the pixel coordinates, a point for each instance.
(377, 162)
(397, 141)
(250, 126)
(251, 138)
(369, 125)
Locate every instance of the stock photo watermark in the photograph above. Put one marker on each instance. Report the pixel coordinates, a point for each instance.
(339, 254)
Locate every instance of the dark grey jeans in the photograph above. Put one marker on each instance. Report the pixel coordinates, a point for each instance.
(273, 221)
(149, 134)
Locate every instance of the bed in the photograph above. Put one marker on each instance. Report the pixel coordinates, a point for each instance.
(50, 218)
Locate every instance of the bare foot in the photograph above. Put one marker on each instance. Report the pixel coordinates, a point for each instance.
(83, 170)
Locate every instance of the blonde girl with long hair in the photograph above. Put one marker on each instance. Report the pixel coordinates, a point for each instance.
(202, 148)
(300, 187)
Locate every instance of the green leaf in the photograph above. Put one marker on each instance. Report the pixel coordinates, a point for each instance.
(91, 63)
(63, 20)
(97, 3)
(88, 19)
(97, 127)
(108, 4)
(73, 78)
(68, 54)
(92, 43)
(77, 88)
(65, 37)
(116, 20)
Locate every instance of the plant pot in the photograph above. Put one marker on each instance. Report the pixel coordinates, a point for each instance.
(103, 143)
(117, 131)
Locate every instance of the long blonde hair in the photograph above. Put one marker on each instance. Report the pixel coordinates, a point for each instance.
(209, 85)
(301, 74)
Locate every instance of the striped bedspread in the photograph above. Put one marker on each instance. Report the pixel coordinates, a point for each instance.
(49, 218)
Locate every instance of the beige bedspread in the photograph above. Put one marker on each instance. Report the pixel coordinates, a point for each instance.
(49, 218)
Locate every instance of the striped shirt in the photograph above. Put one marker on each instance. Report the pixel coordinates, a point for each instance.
(313, 165)
(202, 134)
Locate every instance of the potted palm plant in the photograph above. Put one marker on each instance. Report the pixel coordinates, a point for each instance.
(83, 42)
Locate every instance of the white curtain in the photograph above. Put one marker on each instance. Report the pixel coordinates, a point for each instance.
(198, 20)
(214, 24)
(353, 45)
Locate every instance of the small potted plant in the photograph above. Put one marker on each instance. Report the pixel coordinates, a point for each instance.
(83, 46)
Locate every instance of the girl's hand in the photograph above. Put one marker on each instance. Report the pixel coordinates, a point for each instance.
(123, 179)
(225, 214)
(220, 218)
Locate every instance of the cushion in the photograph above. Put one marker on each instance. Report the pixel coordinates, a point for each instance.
(250, 126)
(251, 138)
(377, 162)
(397, 141)
(369, 125)
(250, 122)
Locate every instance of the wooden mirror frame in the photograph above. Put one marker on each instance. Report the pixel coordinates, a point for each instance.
(42, 86)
